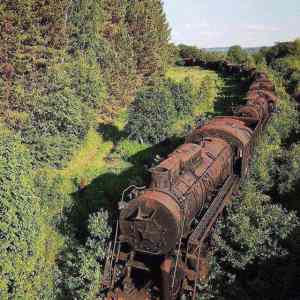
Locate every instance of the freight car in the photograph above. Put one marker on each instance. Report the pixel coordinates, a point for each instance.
(161, 237)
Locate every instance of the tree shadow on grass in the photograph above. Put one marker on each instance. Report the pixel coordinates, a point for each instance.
(111, 133)
(104, 192)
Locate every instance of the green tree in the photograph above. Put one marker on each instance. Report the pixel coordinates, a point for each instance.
(81, 265)
(151, 114)
(28, 244)
(237, 55)
(183, 96)
(150, 34)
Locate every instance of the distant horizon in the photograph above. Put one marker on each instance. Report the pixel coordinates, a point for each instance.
(250, 23)
(244, 47)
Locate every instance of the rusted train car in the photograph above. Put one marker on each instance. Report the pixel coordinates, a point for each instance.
(160, 243)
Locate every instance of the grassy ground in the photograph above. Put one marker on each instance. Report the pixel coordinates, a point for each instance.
(206, 85)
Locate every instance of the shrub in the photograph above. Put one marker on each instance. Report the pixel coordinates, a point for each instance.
(151, 114)
(81, 265)
(253, 228)
(289, 174)
(270, 149)
(87, 81)
(237, 55)
(183, 96)
(28, 245)
(250, 233)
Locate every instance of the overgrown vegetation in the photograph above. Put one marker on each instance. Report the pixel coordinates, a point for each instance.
(256, 224)
(65, 66)
(69, 145)
(28, 244)
(170, 107)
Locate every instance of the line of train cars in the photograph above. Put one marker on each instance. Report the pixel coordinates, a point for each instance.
(162, 235)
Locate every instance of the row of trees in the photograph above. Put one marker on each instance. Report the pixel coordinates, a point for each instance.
(235, 54)
(74, 55)
(285, 59)
(62, 63)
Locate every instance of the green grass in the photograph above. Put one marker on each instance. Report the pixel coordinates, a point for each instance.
(89, 157)
(196, 74)
(203, 80)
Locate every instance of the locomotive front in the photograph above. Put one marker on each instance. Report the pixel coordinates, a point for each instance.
(149, 223)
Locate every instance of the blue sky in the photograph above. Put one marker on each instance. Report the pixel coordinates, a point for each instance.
(218, 23)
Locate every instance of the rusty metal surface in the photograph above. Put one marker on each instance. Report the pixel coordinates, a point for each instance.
(150, 222)
(268, 95)
(136, 295)
(251, 110)
(262, 85)
(228, 128)
(172, 219)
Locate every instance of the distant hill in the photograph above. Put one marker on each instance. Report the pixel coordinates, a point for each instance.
(225, 49)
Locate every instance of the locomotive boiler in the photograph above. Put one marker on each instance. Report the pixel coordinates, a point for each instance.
(162, 235)
(181, 186)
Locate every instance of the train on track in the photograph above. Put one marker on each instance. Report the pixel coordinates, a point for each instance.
(161, 239)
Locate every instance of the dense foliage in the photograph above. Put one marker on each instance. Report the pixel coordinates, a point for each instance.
(237, 55)
(63, 66)
(183, 97)
(255, 232)
(151, 114)
(186, 51)
(157, 107)
(285, 59)
(68, 57)
(28, 244)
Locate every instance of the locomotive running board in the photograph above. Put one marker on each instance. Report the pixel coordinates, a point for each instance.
(207, 221)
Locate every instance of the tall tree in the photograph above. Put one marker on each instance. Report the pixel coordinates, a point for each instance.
(237, 55)
(118, 59)
(150, 34)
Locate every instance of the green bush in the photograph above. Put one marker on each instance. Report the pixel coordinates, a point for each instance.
(151, 114)
(183, 96)
(271, 149)
(128, 148)
(87, 81)
(289, 173)
(28, 245)
(57, 119)
(251, 233)
(253, 228)
(81, 266)
(237, 55)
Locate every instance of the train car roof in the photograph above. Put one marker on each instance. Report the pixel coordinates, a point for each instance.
(232, 129)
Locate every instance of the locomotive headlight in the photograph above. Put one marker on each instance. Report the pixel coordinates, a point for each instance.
(150, 223)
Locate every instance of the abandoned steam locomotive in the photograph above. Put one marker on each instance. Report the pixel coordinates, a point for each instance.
(160, 244)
